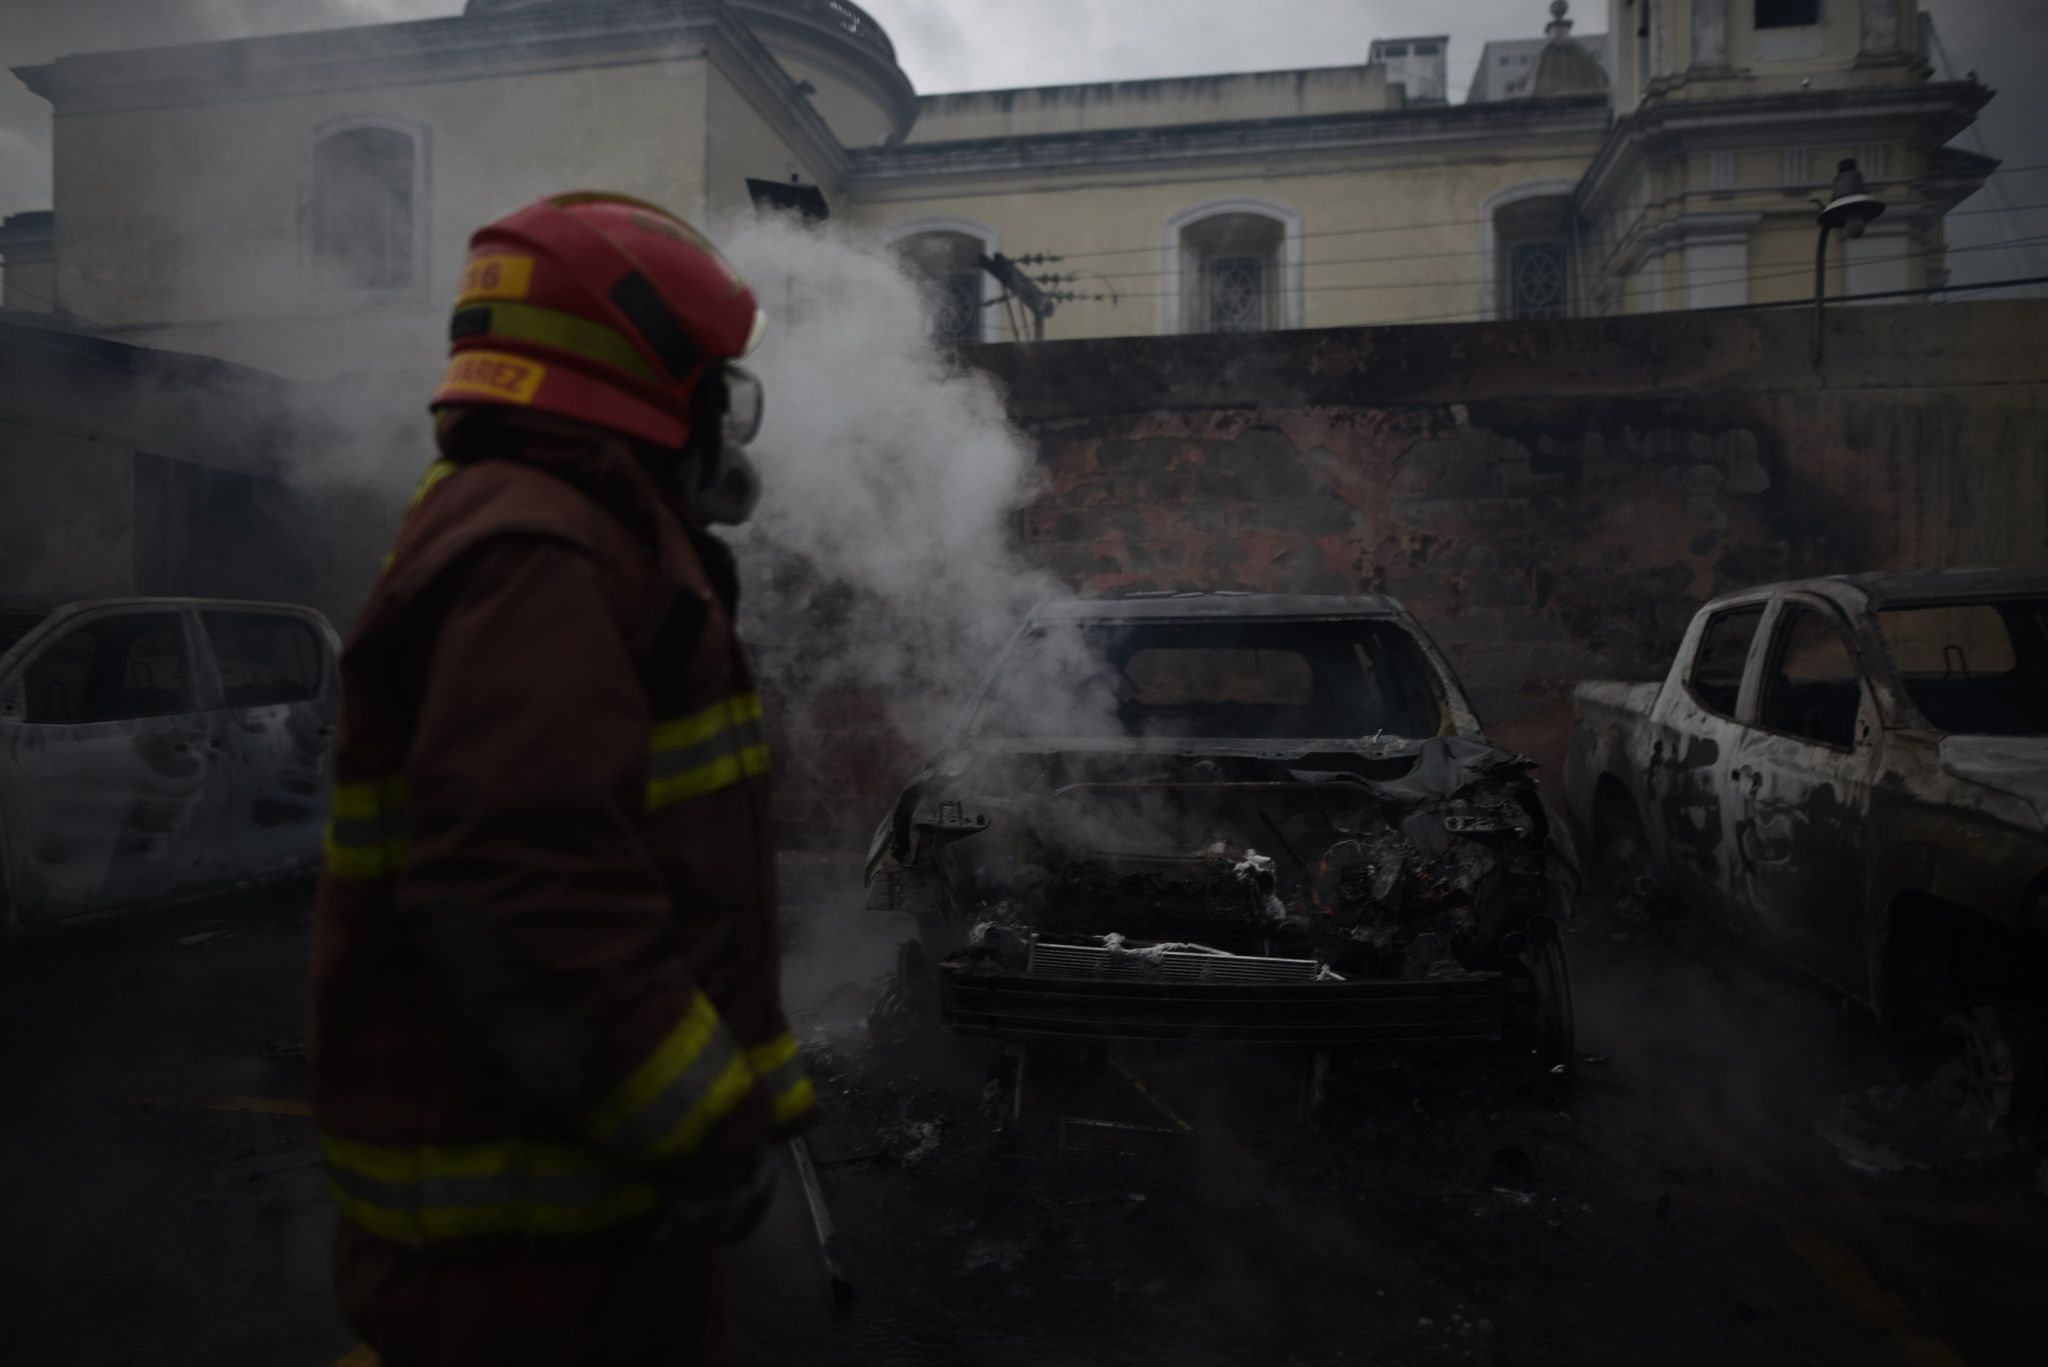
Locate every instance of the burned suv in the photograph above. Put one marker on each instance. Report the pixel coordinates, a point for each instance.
(1236, 818)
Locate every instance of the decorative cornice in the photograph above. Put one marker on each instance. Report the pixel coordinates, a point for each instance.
(523, 41)
(1430, 128)
(1657, 127)
(1663, 235)
(373, 55)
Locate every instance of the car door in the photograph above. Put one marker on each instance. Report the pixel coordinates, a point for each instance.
(1802, 780)
(1695, 727)
(276, 673)
(113, 794)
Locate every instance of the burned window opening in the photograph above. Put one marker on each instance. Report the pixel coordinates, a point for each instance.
(1812, 689)
(264, 659)
(1200, 680)
(1973, 668)
(1723, 654)
(121, 668)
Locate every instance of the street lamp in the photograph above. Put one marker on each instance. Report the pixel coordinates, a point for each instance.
(1850, 207)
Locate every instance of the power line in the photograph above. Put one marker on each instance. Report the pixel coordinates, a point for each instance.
(1470, 316)
(1464, 253)
(1728, 272)
(1470, 221)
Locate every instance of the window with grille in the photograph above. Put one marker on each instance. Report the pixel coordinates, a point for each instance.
(1231, 276)
(956, 307)
(1538, 285)
(361, 214)
(947, 265)
(1235, 289)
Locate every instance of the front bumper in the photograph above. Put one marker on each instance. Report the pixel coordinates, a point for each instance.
(1472, 1008)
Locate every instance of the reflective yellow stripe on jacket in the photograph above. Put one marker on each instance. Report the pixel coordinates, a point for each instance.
(366, 829)
(466, 1191)
(696, 1077)
(688, 757)
(783, 1078)
(667, 1108)
(711, 750)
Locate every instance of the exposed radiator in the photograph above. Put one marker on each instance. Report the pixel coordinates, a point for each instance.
(1095, 961)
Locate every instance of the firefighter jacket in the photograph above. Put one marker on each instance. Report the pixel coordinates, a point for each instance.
(545, 971)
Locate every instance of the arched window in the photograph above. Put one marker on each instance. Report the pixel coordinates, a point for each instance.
(362, 221)
(1526, 249)
(945, 256)
(1231, 267)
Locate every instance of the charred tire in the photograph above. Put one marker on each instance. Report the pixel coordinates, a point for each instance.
(1621, 848)
(10, 918)
(1553, 1028)
(1997, 1075)
(917, 981)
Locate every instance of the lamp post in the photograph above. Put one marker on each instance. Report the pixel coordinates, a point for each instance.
(1850, 207)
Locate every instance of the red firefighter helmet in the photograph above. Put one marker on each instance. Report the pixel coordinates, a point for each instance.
(596, 307)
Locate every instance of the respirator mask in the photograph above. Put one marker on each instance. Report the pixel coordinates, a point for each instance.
(724, 484)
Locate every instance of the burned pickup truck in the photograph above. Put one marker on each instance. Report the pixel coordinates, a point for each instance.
(1854, 773)
(1231, 818)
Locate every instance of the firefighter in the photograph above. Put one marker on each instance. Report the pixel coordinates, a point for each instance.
(549, 1058)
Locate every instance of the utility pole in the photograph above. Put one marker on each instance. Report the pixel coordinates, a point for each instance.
(1024, 288)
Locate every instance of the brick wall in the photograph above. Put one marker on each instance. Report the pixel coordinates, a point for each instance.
(1553, 499)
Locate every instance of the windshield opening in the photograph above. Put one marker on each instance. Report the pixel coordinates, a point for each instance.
(1213, 680)
(1974, 669)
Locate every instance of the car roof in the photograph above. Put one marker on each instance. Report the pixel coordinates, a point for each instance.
(1889, 588)
(1920, 586)
(1216, 603)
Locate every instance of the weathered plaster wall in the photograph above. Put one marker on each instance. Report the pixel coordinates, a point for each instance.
(180, 226)
(1150, 104)
(129, 471)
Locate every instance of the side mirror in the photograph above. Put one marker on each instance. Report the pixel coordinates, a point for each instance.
(14, 703)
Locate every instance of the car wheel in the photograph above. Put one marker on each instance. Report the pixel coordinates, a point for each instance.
(909, 1006)
(1996, 1074)
(1555, 1025)
(10, 919)
(1621, 868)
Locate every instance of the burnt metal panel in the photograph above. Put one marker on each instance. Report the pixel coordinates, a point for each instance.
(1465, 1009)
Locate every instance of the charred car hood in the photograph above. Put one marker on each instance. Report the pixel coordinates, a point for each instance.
(2014, 765)
(1374, 857)
(1436, 767)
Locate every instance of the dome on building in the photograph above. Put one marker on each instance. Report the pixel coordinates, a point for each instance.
(1567, 66)
(838, 53)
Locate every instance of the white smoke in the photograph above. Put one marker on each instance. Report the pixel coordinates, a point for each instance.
(883, 563)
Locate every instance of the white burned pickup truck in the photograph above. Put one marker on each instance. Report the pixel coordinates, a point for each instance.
(1854, 772)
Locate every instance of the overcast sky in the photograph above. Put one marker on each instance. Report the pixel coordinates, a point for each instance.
(979, 44)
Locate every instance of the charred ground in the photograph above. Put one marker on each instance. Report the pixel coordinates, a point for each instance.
(1740, 1168)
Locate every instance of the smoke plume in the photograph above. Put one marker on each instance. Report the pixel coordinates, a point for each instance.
(882, 566)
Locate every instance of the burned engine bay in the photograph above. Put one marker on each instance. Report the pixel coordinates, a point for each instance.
(1374, 860)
